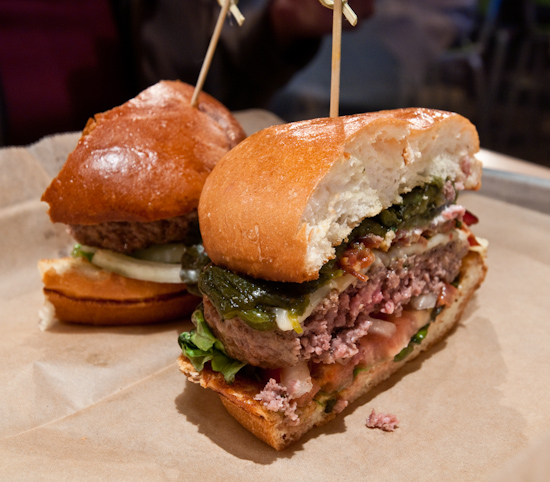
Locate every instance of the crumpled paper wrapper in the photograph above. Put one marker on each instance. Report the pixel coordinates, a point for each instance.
(87, 403)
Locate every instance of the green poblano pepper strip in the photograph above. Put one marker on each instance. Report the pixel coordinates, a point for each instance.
(193, 261)
(417, 205)
(415, 340)
(249, 299)
(201, 346)
(418, 336)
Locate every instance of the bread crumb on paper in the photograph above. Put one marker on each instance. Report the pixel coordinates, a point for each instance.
(46, 316)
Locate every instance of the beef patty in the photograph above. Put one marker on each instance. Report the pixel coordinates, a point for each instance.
(126, 237)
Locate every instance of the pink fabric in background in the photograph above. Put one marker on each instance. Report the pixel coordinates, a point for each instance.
(60, 63)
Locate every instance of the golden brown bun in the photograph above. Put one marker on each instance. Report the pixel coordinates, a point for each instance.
(273, 428)
(292, 192)
(83, 293)
(144, 160)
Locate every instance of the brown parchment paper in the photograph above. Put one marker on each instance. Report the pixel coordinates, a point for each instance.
(84, 403)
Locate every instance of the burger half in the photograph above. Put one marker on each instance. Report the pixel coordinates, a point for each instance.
(129, 194)
(339, 253)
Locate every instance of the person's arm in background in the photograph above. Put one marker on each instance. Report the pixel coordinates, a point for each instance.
(277, 39)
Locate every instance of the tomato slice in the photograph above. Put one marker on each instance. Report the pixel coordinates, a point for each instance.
(470, 218)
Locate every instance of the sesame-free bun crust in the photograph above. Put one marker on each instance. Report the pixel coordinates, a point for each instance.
(276, 205)
(79, 292)
(144, 160)
(274, 429)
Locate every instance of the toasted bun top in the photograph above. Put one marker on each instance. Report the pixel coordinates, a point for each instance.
(144, 160)
(274, 206)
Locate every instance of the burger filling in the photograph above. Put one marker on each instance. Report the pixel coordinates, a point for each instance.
(371, 304)
(179, 262)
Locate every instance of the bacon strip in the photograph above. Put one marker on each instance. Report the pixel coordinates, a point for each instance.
(356, 258)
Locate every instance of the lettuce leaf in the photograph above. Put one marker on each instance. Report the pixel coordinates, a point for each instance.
(201, 346)
(80, 252)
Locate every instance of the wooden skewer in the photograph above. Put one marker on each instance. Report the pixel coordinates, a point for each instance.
(210, 52)
(336, 53)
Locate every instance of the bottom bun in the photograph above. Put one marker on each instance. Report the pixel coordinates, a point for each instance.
(77, 291)
(274, 429)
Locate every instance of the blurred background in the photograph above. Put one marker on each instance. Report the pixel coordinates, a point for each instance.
(62, 61)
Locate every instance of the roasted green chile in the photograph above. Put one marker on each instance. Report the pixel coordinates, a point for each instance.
(415, 340)
(419, 336)
(250, 299)
(193, 261)
(418, 206)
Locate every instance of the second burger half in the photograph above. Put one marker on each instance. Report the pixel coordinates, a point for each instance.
(128, 194)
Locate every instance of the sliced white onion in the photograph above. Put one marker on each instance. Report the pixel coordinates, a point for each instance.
(424, 302)
(382, 328)
(297, 380)
(88, 249)
(137, 268)
(161, 253)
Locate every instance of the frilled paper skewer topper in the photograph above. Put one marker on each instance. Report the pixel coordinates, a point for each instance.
(339, 8)
(227, 6)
